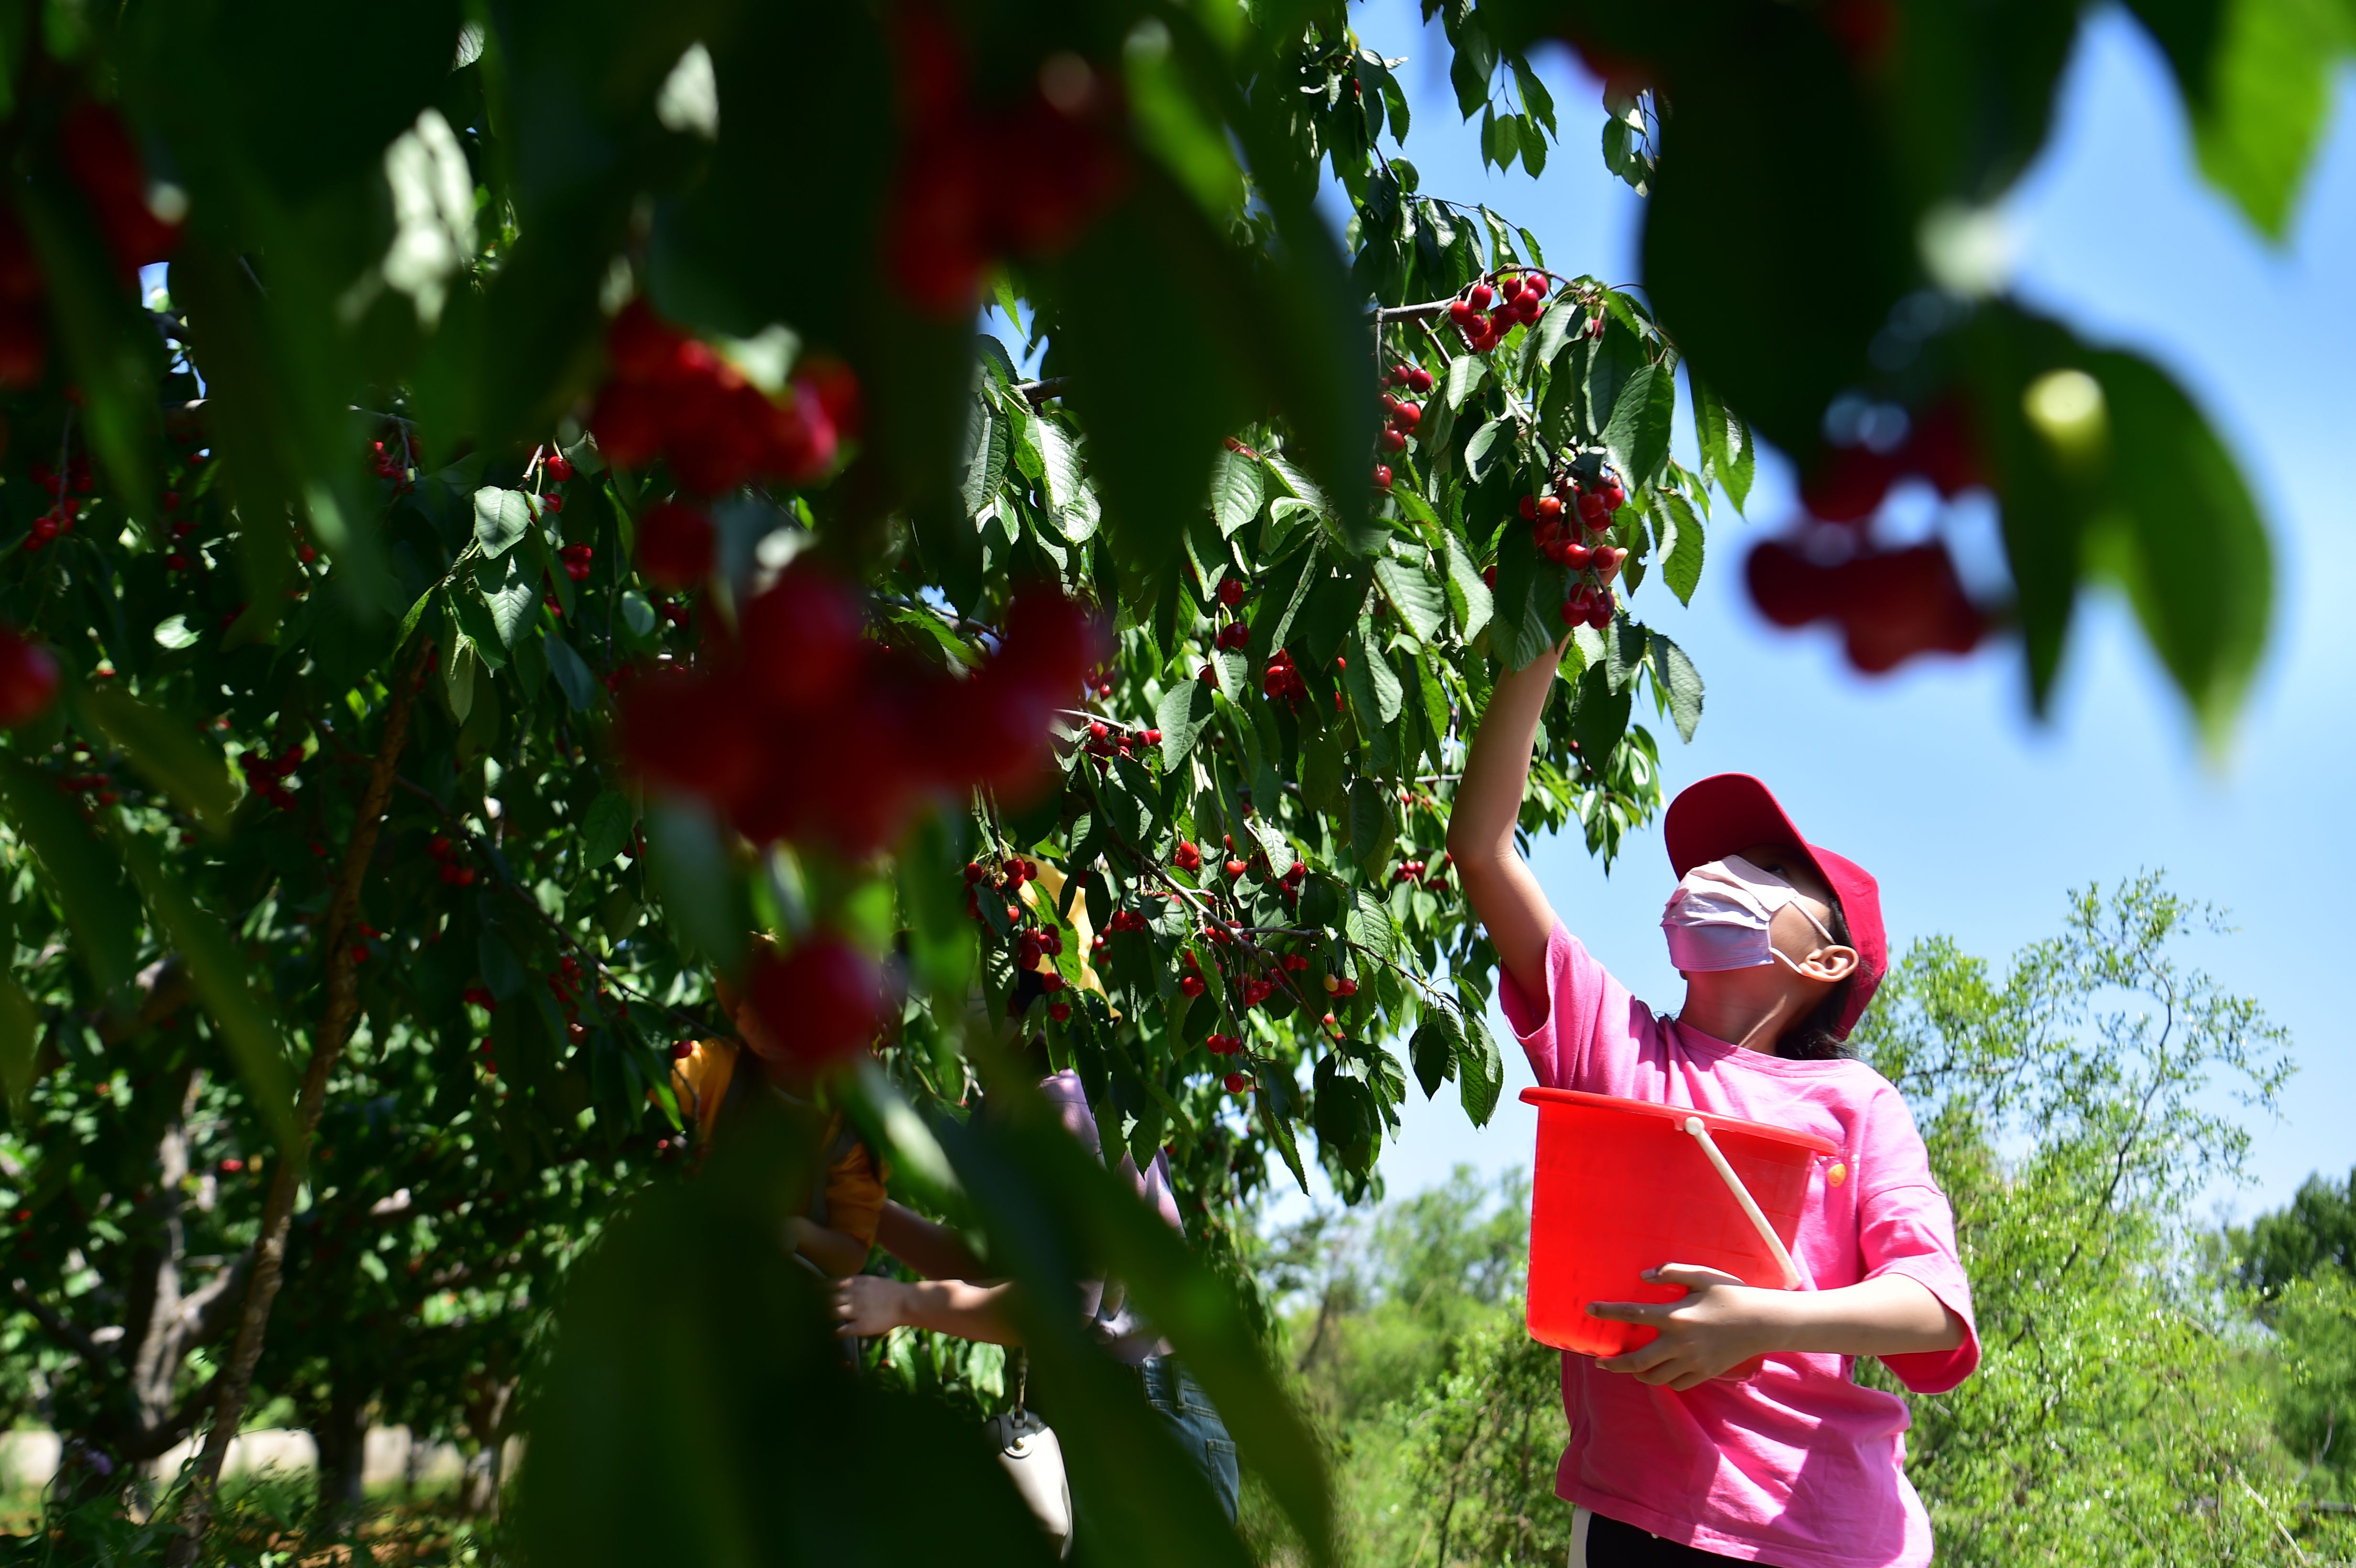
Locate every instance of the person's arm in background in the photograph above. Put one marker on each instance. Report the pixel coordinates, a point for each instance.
(932, 1249)
(1497, 881)
(835, 1251)
(865, 1306)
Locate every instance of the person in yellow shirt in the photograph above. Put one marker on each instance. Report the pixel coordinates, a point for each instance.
(837, 1231)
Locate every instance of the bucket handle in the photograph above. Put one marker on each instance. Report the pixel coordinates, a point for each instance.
(1750, 1206)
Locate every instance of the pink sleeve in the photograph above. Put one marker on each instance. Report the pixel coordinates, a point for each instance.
(1559, 1031)
(1905, 1227)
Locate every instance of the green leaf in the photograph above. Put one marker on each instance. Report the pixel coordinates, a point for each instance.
(167, 752)
(1485, 442)
(1072, 503)
(1343, 1111)
(1468, 595)
(1414, 595)
(1465, 374)
(480, 631)
(1180, 715)
(1598, 716)
(1679, 681)
(1239, 488)
(1439, 1039)
(1372, 829)
(1368, 923)
(605, 829)
(247, 1023)
(688, 863)
(1272, 840)
(985, 466)
(87, 880)
(1481, 1070)
(2179, 530)
(1624, 653)
(573, 676)
(509, 593)
(1374, 690)
(501, 518)
(1529, 601)
(1641, 416)
(1681, 545)
(2268, 98)
(1727, 458)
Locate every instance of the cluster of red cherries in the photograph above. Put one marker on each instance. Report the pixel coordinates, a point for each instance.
(266, 775)
(976, 182)
(1519, 301)
(1106, 742)
(451, 868)
(64, 508)
(673, 396)
(1283, 678)
(576, 559)
(800, 677)
(1399, 416)
(1891, 604)
(1556, 519)
(398, 465)
(98, 153)
(1417, 872)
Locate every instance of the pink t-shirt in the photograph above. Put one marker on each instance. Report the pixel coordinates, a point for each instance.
(1797, 1465)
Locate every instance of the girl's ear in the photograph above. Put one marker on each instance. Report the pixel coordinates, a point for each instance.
(1834, 963)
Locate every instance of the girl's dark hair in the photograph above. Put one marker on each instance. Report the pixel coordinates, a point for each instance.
(1815, 1038)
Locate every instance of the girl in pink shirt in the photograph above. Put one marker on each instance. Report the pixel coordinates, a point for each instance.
(1781, 944)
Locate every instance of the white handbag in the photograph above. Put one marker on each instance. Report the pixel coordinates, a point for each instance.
(1034, 1458)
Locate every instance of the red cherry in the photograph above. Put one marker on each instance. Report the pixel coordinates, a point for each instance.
(689, 732)
(1236, 1083)
(1479, 295)
(29, 679)
(1153, 736)
(1530, 509)
(818, 1005)
(1393, 441)
(559, 467)
(802, 636)
(1419, 379)
(1406, 416)
(1382, 476)
(1060, 1011)
(1188, 857)
(1231, 592)
(1234, 868)
(1847, 485)
(1190, 985)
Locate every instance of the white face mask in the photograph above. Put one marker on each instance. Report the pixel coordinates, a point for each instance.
(1720, 916)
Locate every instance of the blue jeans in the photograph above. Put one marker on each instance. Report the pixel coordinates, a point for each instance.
(1193, 1420)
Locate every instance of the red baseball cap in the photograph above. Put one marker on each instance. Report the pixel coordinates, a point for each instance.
(1727, 813)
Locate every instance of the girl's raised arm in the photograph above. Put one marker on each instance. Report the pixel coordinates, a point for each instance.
(1496, 880)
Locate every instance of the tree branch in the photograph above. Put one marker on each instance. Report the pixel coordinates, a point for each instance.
(58, 1327)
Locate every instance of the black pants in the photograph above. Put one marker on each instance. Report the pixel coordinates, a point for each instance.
(1612, 1544)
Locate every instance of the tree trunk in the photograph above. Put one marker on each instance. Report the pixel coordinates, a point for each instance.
(342, 1434)
(327, 1046)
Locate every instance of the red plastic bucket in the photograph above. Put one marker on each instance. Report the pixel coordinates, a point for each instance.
(1623, 1187)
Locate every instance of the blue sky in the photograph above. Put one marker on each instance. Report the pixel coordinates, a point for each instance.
(1975, 816)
